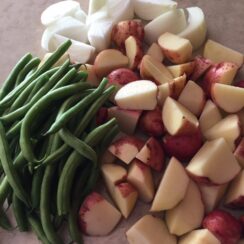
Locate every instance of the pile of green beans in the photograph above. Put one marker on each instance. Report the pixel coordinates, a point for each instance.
(49, 144)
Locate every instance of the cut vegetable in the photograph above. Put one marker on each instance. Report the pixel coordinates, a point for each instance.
(58, 10)
(79, 52)
(151, 9)
(196, 30)
(173, 21)
(68, 27)
(137, 95)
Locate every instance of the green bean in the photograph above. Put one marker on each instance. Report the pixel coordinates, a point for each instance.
(13, 131)
(34, 86)
(32, 114)
(81, 147)
(81, 76)
(45, 209)
(37, 228)
(4, 221)
(10, 81)
(36, 187)
(19, 113)
(59, 153)
(20, 214)
(11, 173)
(74, 160)
(47, 65)
(5, 188)
(73, 213)
(64, 118)
(28, 67)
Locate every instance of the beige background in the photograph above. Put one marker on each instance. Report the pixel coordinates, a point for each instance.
(20, 32)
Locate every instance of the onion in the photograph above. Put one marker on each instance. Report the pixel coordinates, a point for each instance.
(58, 10)
(66, 26)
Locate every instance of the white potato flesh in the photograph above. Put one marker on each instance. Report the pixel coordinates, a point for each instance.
(151, 9)
(79, 52)
(173, 21)
(58, 10)
(150, 230)
(68, 27)
(196, 30)
(137, 95)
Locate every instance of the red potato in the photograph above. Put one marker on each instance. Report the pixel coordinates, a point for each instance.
(151, 123)
(152, 69)
(109, 60)
(177, 119)
(127, 28)
(134, 51)
(97, 217)
(125, 196)
(224, 226)
(241, 117)
(235, 194)
(107, 158)
(239, 152)
(201, 66)
(183, 147)
(152, 154)
(102, 116)
(122, 76)
(126, 148)
(126, 119)
(219, 73)
(181, 69)
(155, 51)
(140, 176)
(194, 103)
(213, 164)
(229, 98)
(92, 77)
(240, 83)
(177, 49)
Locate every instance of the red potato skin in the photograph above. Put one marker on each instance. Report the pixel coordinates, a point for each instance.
(127, 28)
(201, 66)
(240, 84)
(237, 203)
(182, 147)
(129, 140)
(122, 77)
(241, 219)
(126, 189)
(214, 74)
(151, 123)
(102, 116)
(139, 54)
(224, 226)
(89, 201)
(156, 158)
(201, 180)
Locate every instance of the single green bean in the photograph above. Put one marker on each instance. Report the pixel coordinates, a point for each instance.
(81, 76)
(70, 113)
(33, 113)
(11, 173)
(80, 146)
(28, 67)
(46, 66)
(20, 214)
(10, 81)
(37, 228)
(59, 153)
(36, 188)
(74, 160)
